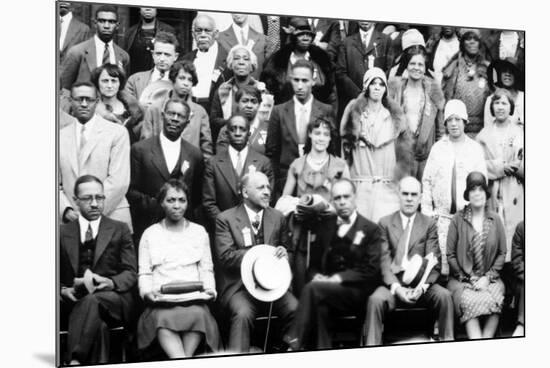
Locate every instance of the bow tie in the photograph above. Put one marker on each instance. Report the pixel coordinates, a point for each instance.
(340, 221)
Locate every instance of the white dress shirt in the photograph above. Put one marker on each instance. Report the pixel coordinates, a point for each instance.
(204, 64)
(252, 217)
(100, 48)
(306, 109)
(366, 36)
(65, 20)
(238, 33)
(84, 227)
(233, 155)
(444, 52)
(344, 228)
(171, 151)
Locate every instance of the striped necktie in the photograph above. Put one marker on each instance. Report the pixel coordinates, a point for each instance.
(106, 55)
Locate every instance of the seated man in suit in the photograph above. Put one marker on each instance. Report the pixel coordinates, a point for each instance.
(159, 158)
(97, 247)
(92, 145)
(237, 230)
(71, 31)
(287, 132)
(223, 173)
(240, 33)
(83, 58)
(164, 54)
(182, 76)
(408, 232)
(350, 271)
(139, 38)
(209, 60)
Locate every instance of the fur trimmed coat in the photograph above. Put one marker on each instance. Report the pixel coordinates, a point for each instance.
(430, 127)
(350, 128)
(275, 75)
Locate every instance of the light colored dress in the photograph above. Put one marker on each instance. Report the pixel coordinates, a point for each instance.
(437, 182)
(517, 117)
(166, 256)
(507, 192)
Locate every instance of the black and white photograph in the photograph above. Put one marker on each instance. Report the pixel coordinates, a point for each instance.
(251, 184)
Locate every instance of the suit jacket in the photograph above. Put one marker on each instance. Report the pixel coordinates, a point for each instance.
(80, 61)
(353, 61)
(77, 32)
(423, 241)
(357, 257)
(220, 190)
(518, 251)
(137, 83)
(106, 155)
(132, 32)
(227, 39)
(114, 257)
(330, 33)
(223, 73)
(230, 245)
(282, 138)
(149, 172)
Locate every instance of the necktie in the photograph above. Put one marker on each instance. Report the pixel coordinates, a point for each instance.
(161, 75)
(82, 137)
(302, 125)
(453, 190)
(243, 37)
(273, 35)
(256, 223)
(106, 56)
(240, 163)
(89, 234)
(400, 252)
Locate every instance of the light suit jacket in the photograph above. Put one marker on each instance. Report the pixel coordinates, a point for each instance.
(106, 155)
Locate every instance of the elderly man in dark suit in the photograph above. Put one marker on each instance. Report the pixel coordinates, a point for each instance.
(97, 275)
(209, 60)
(83, 58)
(155, 160)
(408, 232)
(223, 173)
(350, 271)
(358, 53)
(286, 135)
(240, 33)
(164, 53)
(71, 30)
(237, 230)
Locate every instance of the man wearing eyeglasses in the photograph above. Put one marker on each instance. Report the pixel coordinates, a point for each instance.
(93, 145)
(209, 60)
(81, 59)
(159, 158)
(98, 271)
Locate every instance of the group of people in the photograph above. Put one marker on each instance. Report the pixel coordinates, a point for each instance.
(381, 170)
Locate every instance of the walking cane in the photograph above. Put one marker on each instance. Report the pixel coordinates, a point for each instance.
(308, 248)
(268, 326)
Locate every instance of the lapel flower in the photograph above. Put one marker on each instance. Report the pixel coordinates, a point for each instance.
(359, 236)
(216, 74)
(184, 167)
(251, 169)
(261, 86)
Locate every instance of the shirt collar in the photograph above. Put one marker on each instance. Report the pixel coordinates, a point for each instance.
(294, 58)
(100, 44)
(233, 152)
(365, 33)
(404, 219)
(167, 142)
(83, 223)
(306, 105)
(352, 218)
(237, 29)
(251, 214)
(155, 75)
(89, 124)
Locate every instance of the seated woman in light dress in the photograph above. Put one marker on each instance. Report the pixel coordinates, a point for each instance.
(176, 249)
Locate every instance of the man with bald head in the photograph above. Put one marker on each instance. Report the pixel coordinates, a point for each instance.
(209, 60)
(406, 233)
(237, 230)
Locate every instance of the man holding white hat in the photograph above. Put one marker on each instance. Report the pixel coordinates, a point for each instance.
(251, 271)
(409, 237)
(350, 271)
(450, 161)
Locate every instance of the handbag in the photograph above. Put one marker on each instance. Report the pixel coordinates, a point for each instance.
(180, 287)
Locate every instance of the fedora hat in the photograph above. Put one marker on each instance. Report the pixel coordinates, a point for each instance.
(299, 25)
(156, 91)
(417, 270)
(266, 277)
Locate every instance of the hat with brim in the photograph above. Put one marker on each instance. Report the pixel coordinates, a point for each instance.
(300, 26)
(418, 269)
(154, 92)
(497, 66)
(467, 31)
(266, 277)
(473, 180)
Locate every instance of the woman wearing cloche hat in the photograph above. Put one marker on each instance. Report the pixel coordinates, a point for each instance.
(476, 249)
